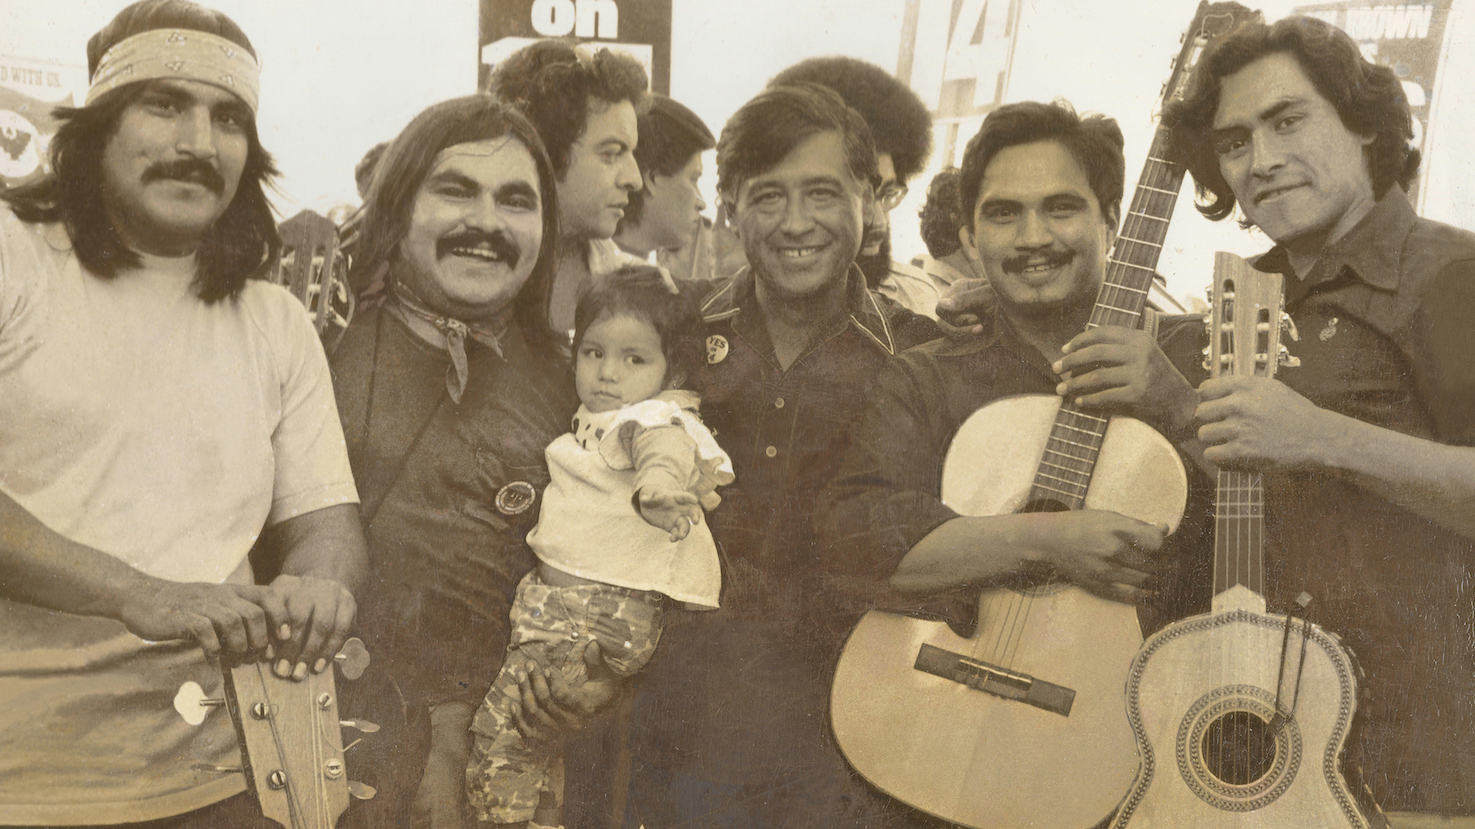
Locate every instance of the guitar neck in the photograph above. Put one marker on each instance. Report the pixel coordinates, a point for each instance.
(1070, 455)
(1239, 532)
(1134, 257)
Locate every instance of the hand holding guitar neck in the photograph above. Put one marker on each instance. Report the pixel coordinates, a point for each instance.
(1122, 371)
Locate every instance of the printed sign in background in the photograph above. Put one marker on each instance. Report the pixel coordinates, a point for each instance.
(1408, 38)
(29, 89)
(639, 28)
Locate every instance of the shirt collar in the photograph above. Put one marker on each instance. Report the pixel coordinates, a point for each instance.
(737, 302)
(1368, 252)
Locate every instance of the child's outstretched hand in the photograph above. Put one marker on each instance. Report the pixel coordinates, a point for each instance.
(673, 510)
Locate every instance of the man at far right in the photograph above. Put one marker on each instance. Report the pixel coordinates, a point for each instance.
(1366, 446)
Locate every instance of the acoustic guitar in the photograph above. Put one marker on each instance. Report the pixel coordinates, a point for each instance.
(291, 739)
(1239, 715)
(1021, 724)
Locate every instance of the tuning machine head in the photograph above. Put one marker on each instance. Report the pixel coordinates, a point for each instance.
(353, 659)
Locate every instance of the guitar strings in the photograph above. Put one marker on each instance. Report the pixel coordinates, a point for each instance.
(294, 806)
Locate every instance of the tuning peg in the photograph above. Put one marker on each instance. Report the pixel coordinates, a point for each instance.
(353, 660)
(362, 725)
(1284, 358)
(192, 704)
(361, 791)
(1288, 325)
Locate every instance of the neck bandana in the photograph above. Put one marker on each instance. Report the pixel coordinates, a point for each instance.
(453, 333)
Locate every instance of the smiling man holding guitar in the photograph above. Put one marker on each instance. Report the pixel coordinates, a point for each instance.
(1043, 188)
(1369, 474)
(157, 408)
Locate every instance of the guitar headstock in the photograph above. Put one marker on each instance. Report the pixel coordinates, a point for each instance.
(1245, 321)
(1212, 20)
(291, 737)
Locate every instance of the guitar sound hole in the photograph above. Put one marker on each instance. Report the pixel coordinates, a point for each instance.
(1239, 748)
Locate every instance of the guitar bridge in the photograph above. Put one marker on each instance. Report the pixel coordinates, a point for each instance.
(991, 679)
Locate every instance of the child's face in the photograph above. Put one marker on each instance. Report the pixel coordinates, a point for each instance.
(620, 362)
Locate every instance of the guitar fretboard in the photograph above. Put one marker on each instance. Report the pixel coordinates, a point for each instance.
(1075, 441)
(1239, 532)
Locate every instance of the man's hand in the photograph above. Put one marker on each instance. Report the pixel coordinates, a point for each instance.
(1261, 423)
(551, 709)
(674, 510)
(440, 801)
(319, 613)
(230, 621)
(1122, 369)
(1104, 552)
(961, 308)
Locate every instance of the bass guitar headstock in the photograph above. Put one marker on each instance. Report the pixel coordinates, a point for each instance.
(291, 737)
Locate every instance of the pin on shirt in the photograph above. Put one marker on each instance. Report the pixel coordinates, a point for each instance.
(515, 498)
(716, 349)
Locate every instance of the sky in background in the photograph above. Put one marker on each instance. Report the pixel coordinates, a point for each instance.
(342, 75)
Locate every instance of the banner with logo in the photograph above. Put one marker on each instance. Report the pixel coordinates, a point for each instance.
(29, 90)
(1407, 38)
(639, 28)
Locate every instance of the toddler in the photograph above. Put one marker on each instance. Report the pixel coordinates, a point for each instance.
(620, 530)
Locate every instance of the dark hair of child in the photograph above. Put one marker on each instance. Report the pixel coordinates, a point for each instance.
(642, 292)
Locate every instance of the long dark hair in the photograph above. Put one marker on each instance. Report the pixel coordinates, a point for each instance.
(407, 161)
(240, 244)
(1367, 97)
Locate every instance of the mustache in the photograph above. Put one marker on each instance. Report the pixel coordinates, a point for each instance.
(497, 241)
(191, 170)
(1053, 258)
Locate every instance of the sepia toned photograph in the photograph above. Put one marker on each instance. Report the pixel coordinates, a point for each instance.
(787, 414)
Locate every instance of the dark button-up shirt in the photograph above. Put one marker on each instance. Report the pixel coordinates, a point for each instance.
(445, 549)
(887, 495)
(738, 694)
(1387, 335)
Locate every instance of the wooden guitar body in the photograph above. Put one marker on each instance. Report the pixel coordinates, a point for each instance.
(1240, 716)
(1021, 724)
(1214, 754)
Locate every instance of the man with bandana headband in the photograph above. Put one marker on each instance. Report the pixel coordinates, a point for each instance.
(450, 390)
(158, 408)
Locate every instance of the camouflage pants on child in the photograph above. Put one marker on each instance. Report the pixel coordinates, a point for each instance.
(550, 628)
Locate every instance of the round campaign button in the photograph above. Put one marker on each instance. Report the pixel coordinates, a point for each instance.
(515, 497)
(716, 348)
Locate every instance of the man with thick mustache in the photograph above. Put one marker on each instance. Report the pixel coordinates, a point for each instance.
(158, 408)
(1366, 445)
(1042, 188)
(729, 724)
(450, 390)
(584, 106)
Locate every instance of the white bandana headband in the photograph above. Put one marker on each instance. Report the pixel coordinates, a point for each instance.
(185, 54)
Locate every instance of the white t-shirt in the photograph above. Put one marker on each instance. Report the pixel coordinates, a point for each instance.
(138, 420)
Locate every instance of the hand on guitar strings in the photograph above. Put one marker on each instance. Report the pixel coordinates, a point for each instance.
(1124, 371)
(552, 708)
(1104, 552)
(1261, 423)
